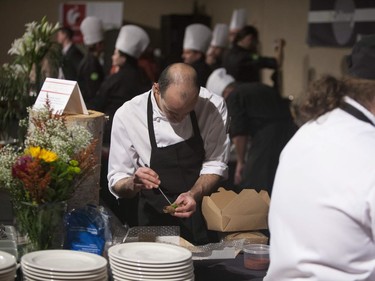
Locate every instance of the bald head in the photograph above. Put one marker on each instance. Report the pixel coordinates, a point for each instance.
(178, 74)
(177, 91)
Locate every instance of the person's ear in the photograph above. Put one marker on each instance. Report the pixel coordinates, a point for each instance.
(156, 88)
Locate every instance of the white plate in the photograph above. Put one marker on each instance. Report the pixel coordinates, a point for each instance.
(52, 275)
(156, 275)
(150, 253)
(152, 272)
(159, 278)
(8, 275)
(149, 266)
(8, 270)
(64, 261)
(6, 260)
(127, 278)
(63, 274)
(28, 275)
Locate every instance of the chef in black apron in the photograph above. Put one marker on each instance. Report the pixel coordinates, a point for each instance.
(178, 167)
(172, 140)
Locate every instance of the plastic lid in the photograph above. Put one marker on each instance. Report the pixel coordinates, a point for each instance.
(257, 249)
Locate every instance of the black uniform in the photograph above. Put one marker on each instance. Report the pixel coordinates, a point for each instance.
(258, 111)
(203, 71)
(70, 62)
(245, 66)
(90, 76)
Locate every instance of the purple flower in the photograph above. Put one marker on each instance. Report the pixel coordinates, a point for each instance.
(21, 165)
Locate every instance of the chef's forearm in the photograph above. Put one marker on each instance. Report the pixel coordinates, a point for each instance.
(240, 144)
(205, 185)
(124, 188)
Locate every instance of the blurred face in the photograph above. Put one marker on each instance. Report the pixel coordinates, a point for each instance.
(117, 58)
(190, 56)
(177, 102)
(232, 34)
(249, 43)
(60, 37)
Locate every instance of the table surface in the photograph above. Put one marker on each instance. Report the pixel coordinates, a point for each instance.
(226, 270)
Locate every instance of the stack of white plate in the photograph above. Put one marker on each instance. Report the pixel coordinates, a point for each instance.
(8, 266)
(149, 261)
(63, 265)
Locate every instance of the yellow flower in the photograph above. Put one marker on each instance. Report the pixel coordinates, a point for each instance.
(41, 153)
(34, 151)
(48, 156)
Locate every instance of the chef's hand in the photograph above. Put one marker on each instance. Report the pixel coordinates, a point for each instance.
(238, 173)
(146, 178)
(186, 205)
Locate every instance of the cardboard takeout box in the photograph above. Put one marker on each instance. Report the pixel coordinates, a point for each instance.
(228, 211)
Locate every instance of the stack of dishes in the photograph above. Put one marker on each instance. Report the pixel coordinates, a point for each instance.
(8, 266)
(63, 265)
(149, 261)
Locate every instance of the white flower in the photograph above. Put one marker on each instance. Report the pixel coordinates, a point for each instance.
(39, 45)
(16, 47)
(31, 26)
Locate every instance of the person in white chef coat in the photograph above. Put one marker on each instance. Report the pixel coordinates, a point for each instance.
(172, 137)
(197, 39)
(322, 212)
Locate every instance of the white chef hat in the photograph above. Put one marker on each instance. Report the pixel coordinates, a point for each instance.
(220, 35)
(197, 37)
(92, 30)
(239, 19)
(132, 40)
(218, 81)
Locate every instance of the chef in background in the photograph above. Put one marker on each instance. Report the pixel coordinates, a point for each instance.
(237, 22)
(91, 73)
(196, 41)
(71, 54)
(259, 116)
(218, 46)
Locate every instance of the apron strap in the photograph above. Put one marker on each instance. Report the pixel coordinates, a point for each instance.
(150, 123)
(356, 113)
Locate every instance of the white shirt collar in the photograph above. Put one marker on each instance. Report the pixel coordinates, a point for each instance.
(66, 48)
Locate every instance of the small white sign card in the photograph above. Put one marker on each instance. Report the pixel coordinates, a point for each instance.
(64, 97)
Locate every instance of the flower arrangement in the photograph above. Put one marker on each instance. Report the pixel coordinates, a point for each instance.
(46, 170)
(20, 81)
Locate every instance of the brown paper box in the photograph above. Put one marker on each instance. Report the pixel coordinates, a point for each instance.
(228, 211)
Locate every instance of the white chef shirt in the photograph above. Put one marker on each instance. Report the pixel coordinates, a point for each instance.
(322, 212)
(130, 142)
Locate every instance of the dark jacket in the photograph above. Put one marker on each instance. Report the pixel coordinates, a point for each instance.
(245, 66)
(90, 77)
(70, 63)
(203, 71)
(258, 111)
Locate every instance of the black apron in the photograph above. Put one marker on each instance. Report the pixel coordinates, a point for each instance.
(348, 108)
(178, 167)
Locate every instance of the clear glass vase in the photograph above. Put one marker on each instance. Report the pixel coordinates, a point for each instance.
(43, 225)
